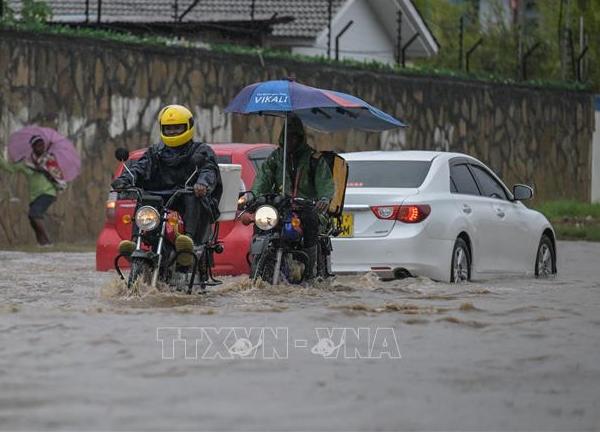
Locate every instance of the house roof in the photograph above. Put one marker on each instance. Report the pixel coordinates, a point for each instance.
(310, 16)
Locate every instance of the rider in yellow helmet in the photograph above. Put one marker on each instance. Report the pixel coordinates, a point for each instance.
(168, 165)
(176, 125)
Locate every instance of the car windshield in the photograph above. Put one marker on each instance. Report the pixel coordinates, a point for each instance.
(387, 174)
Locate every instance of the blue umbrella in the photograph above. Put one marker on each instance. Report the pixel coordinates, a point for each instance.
(324, 110)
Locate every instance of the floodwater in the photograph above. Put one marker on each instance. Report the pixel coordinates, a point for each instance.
(79, 353)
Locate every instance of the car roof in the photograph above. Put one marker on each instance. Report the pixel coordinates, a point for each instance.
(228, 148)
(238, 147)
(414, 155)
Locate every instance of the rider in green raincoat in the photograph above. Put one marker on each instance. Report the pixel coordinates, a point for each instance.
(307, 177)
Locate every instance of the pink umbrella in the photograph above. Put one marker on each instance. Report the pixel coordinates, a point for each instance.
(66, 155)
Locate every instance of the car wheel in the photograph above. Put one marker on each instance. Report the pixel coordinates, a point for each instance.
(545, 259)
(460, 270)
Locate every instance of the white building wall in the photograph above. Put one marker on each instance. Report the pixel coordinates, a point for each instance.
(596, 156)
(366, 39)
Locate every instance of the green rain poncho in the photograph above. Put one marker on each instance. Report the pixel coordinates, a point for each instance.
(303, 180)
(39, 184)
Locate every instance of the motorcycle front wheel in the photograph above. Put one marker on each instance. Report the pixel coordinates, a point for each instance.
(323, 260)
(263, 266)
(140, 270)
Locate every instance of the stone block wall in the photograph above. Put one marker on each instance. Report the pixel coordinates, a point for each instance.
(104, 95)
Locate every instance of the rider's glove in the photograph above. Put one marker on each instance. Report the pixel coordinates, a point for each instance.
(120, 183)
(247, 218)
(322, 205)
(200, 190)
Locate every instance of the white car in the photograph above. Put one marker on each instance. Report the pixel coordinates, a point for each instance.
(442, 215)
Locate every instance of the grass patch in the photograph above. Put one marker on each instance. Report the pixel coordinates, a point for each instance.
(569, 209)
(573, 220)
(577, 232)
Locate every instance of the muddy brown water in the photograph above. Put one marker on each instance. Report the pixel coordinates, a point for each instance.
(79, 353)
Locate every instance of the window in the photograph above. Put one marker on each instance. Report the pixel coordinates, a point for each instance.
(461, 180)
(387, 174)
(258, 157)
(224, 159)
(489, 185)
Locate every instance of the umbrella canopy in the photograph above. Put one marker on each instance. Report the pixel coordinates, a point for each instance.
(324, 110)
(66, 155)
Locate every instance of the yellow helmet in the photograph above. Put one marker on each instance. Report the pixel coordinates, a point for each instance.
(176, 125)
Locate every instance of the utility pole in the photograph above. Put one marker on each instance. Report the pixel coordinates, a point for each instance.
(461, 37)
(524, 60)
(470, 51)
(583, 48)
(329, 17)
(405, 47)
(399, 37)
(337, 39)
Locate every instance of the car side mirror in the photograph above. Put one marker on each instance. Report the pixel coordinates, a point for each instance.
(122, 154)
(522, 192)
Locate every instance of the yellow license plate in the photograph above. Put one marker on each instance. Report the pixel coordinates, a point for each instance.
(347, 226)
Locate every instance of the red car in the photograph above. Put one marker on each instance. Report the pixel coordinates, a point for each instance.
(233, 234)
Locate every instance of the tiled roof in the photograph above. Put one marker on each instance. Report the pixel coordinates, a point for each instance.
(310, 16)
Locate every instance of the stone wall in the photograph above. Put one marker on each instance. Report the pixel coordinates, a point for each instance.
(104, 95)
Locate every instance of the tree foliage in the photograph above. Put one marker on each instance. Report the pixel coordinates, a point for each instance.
(548, 35)
(32, 11)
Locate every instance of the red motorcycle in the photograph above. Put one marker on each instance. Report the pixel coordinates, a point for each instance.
(153, 253)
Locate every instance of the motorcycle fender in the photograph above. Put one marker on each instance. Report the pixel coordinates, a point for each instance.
(259, 244)
(147, 255)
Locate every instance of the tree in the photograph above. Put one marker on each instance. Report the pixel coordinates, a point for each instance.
(508, 33)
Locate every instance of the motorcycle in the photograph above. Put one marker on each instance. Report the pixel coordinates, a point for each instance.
(154, 256)
(277, 248)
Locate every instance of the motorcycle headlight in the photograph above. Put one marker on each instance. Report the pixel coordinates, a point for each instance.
(147, 218)
(266, 218)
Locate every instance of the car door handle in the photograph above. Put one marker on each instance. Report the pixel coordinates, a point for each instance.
(467, 209)
(500, 212)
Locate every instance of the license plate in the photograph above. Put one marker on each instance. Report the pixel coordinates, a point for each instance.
(347, 226)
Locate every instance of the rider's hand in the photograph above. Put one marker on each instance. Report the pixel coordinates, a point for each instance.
(200, 190)
(119, 183)
(322, 205)
(247, 218)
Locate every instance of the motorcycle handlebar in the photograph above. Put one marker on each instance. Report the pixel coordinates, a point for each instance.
(150, 192)
(173, 193)
(274, 199)
(304, 201)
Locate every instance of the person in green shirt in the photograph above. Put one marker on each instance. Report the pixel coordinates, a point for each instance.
(306, 177)
(42, 188)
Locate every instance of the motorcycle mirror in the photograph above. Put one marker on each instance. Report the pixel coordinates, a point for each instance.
(122, 154)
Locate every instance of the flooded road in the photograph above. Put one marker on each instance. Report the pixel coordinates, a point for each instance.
(77, 353)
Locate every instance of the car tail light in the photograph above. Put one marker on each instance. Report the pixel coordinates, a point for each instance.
(385, 212)
(410, 213)
(413, 213)
(111, 207)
